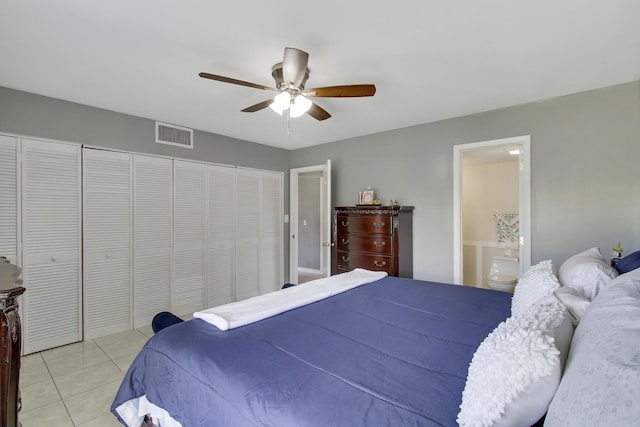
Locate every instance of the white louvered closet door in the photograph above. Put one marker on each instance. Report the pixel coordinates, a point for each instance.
(153, 231)
(247, 233)
(9, 198)
(51, 244)
(271, 245)
(221, 251)
(107, 242)
(190, 236)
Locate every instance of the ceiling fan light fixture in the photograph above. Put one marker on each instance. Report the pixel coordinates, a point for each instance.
(299, 106)
(281, 102)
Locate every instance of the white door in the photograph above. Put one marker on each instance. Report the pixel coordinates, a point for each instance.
(51, 236)
(153, 237)
(298, 242)
(107, 242)
(259, 249)
(221, 275)
(190, 236)
(9, 199)
(247, 234)
(270, 249)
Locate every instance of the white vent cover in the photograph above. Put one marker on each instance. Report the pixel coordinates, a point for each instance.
(174, 135)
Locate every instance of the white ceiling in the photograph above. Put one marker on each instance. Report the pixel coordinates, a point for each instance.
(429, 59)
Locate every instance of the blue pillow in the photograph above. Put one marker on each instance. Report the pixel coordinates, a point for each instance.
(628, 263)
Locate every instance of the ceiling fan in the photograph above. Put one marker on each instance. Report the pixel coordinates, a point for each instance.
(290, 76)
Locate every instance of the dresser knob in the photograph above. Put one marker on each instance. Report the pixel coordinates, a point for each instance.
(344, 223)
(378, 224)
(345, 258)
(345, 241)
(379, 264)
(379, 244)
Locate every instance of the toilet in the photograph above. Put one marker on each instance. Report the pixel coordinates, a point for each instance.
(504, 272)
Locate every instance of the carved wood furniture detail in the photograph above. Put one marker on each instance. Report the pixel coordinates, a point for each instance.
(10, 345)
(375, 238)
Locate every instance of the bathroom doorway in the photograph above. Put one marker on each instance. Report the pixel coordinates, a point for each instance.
(491, 188)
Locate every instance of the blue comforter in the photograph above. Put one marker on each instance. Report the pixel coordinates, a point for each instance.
(391, 353)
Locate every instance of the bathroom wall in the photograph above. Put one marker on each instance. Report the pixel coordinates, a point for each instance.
(488, 188)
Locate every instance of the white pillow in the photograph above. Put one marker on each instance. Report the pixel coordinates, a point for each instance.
(516, 370)
(601, 384)
(538, 282)
(588, 271)
(574, 300)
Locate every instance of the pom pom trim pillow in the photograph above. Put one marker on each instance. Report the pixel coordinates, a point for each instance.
(538, 282)
(516, 370)
(588, 271)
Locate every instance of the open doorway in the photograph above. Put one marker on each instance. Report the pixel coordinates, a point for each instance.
(473, 253)
(310, 224)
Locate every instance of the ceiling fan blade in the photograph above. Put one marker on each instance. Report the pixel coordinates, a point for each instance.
(234, 81)
(345, 91)
(294, 65)
(259, 106)
(318, 112)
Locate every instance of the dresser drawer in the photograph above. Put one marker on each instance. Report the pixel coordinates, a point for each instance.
(364, 224)
(364, 243)
(350, 260)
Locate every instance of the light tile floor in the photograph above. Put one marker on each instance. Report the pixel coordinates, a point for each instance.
(74, 385)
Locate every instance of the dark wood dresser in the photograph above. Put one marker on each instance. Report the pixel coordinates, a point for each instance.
(10, 330)
(376, 238)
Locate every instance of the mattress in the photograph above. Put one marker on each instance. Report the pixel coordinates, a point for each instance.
(392, 352)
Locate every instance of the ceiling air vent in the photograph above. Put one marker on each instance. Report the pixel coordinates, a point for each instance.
(174, 135)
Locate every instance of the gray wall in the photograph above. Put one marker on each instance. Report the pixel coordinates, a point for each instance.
(585, 151)
(38, 116)
(584, 155)
(34, 115)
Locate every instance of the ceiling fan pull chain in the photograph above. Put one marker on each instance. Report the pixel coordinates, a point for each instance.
(288, 113)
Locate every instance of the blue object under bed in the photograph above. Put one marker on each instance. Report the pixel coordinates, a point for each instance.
(394, 352)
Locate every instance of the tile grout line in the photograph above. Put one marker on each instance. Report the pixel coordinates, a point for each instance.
(103, 351)
(60, 394)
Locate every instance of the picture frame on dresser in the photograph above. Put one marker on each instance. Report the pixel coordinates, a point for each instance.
(367, 197)
(378, 238)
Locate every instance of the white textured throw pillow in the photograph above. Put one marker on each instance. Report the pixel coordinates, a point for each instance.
(538, 282)
(516, 370)
(588, 271)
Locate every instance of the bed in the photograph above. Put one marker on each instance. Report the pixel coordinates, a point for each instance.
(389, 352)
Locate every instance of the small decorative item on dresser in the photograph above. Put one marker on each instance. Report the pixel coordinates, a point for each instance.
(367, 197)
(616, 254)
